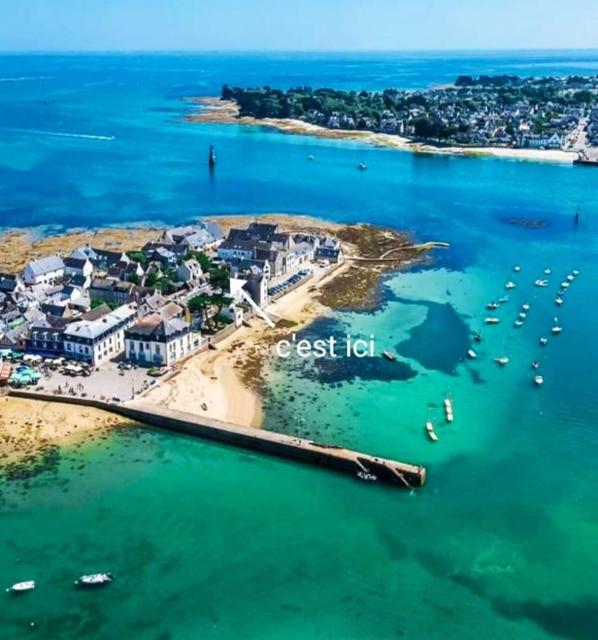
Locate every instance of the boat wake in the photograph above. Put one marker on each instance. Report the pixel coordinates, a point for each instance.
(60, 134)
(25, 78)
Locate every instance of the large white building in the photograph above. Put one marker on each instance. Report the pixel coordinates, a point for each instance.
(97, 341)
(48, 270)
(156, 341)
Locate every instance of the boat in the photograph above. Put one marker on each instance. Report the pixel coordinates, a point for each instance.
(516, 268)
(212, 157)
(547, 272)
(561, 292)
(525, 307)
(523, 315)
(472, 354)
(389, 356)
(538, 381)
(430, 431)
(492, 305)
(556, 330)
(570, 277)
(575, 272)
(477, 337)
(22, 587)
(502, 361)
(543, 341)
(564, 285)
(366, 477)
(94, 580)
(558, 301)
(541, 283)
(448, 409)
(491, 320)
(503, 299)
(362, 166)
(510, 285)
(535, 365)
(310, 157)
(518, 323)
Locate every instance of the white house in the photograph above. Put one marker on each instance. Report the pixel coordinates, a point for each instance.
(99, 340)
(46, 270)
(154, 341)
(189, 271)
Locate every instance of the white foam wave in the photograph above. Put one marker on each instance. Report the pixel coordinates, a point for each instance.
(60, 134)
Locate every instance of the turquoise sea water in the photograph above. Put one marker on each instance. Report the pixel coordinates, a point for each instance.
(212, 542)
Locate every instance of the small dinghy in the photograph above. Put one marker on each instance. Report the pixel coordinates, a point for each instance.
(492, 305)
(558, 301)
(491, 320)
(502, 361)
(430, 431)
(477, 337)
(575, 272)
(525, 307)
(564, 285)
(366, 477)
(541, 283)
(538, 381)
(570, 277)
(516, 268)
(543, 341)
(503, 299)
(556, 330)
(535, 365)
(522, 315)
(94, 580)
(362, 166)
(510, 285)
(389, 356)
(547, 272)
(471, 354)
(518, 323)
(22, 587)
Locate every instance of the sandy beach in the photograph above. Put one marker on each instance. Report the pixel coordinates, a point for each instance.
(220, 111)
(28, 426)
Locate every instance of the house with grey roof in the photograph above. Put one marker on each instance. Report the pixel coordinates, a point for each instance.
(47, 270)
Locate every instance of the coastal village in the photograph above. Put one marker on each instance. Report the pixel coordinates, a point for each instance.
(104, 314)
(489, 111)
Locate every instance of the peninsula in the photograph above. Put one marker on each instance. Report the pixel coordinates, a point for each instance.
(541, 118)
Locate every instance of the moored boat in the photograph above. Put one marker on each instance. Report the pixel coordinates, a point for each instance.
(22, 587)
(510, 285)
(471, 354)
(541, 283)
(389, 356)
(94, 580)
(516, 268)
(525, 307)
(518, 323)
(538, 381)
(491, 320)
(430, 431)
(502, 360)
(543, 341)
(362, 166)
(366, 477)
(492, 305)
(448, 409)
(558, 301)
(535, 364)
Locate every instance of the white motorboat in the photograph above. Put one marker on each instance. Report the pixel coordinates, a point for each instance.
(94, 580)
(570, 277)
(510, 285)
(503, 299)
(491, 306)
(541, 283)
(547, 272)
(491, 320)
(523, 315)
(366, 477)
(22, 587)
(389, 356)
(516, 268)
(525, 307)
(564, 285)
(448, 409)
(538, 381)
(556, 330)
(362, 166)
(472, 354)
(558, 301)
(575, 272)
(430, 431)
(310, 157)
(535, 365)
(543, 341)
(518, 323)
(502, 361)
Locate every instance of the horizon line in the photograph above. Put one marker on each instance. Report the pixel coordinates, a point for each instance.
(297, 51)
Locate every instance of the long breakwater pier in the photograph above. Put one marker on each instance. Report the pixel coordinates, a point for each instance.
(333, 457)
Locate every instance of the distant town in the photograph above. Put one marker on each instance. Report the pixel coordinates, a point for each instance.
(70, 315)
(501, 111)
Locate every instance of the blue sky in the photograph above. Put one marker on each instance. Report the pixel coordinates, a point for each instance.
(297, 24)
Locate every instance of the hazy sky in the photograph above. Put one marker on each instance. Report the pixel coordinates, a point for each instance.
(297, 24)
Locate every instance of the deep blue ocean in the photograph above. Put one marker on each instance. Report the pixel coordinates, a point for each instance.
(211, 542)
